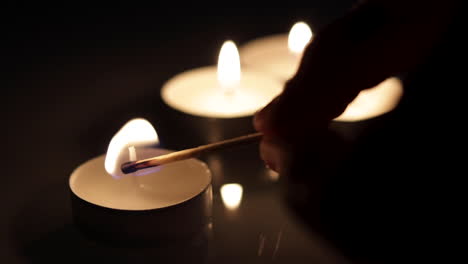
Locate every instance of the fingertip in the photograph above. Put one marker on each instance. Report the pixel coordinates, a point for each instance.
(262, 117)
(269, 153)
(257, 121)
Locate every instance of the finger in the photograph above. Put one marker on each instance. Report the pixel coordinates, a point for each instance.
(275, 154)
(263, 119)
(269, 155)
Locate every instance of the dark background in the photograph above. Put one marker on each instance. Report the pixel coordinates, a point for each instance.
(73, 75)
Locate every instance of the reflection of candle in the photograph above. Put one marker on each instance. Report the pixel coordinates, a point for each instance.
(279, 54)
(96, 193)
(231, 194)
(223, 92)
(374, 101)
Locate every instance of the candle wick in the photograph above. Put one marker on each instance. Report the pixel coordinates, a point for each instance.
(133, 157)
(229, 90)
(132, 153)
(229, 93)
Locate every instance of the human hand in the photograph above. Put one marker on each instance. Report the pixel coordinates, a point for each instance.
(373, 42)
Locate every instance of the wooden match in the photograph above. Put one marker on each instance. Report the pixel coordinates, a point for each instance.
(130, 167)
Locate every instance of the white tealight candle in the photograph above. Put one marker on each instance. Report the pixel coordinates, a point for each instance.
(279, 54)
(223, 91)
(173, 184)
(141, 206)
(374, 101)
(100, 181)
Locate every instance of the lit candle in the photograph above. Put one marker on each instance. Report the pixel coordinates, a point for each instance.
(279, 54)
(368, 109)
(223, 91)
(144, 205)
(374, 101)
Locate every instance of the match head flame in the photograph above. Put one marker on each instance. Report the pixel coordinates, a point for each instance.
(229, 69)
(299, 36)
(137, 132)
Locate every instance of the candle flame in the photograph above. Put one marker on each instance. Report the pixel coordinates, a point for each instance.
(299, 36)
(231, 195)
(229, 69)
(135, 133)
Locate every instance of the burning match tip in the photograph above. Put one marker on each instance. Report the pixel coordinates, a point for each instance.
(128, 167)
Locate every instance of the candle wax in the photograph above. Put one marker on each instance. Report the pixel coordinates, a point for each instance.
(198, 92)
(173, 184)
(374, 101)
(271, 55)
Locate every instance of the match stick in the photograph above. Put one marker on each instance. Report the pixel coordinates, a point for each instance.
(130, 167)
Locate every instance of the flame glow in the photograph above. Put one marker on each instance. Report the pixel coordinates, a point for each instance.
(231, 195)
(299, 36)
(229, 69)
(136, 132)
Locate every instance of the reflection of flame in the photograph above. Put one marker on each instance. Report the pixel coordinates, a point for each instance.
(136, 132)
(299, 36)
(232, 195)
(229, 70)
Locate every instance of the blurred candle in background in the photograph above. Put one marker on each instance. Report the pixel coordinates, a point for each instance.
(224, 91)
(374, 101)
(278, 55)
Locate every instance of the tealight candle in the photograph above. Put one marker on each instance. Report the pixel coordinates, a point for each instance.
(223, 91)
(368, 109)
(278, 55)
(374, 101)
(163, 202)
